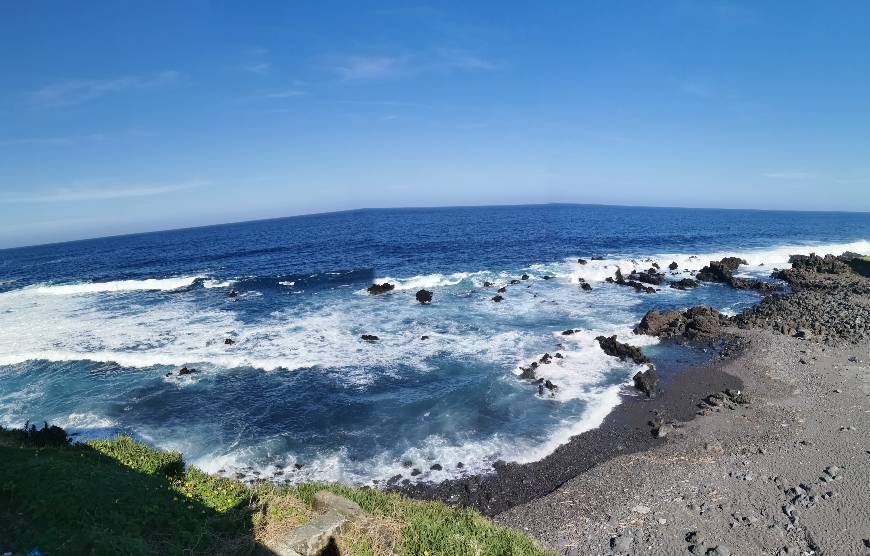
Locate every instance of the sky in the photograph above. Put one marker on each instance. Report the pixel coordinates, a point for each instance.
(126, 116)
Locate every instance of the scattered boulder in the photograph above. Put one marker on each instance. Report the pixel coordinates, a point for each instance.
(648, 276)
(424, 337)
(514, 282)
(185, 371)
(646, 381)
(376, 289)
(528, 373)
(585, 286)
(684, 284)
(581, 261)
(612, 347)
(673, 266)
(568, 332)
(498, 299)
(696, 324)
(487, 284)
(369, 338)
(229, 341)
(502, 289)
(548, 277)
(232, 293)
(525, 277)
(424, 296)
(436, 467)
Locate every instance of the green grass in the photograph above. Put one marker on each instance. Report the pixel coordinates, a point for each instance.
(121, 497)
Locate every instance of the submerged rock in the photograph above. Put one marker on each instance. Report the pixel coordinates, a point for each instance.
(376, 289)
(581, 261)
(186, 371)
(498, 298)
(424, 296)
(369, 338)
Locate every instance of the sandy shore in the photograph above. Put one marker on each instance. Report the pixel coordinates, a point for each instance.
(788, 473)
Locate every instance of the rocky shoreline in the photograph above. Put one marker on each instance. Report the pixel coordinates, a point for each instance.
(826, 309)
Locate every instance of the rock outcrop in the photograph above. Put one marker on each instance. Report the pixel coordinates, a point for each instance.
(723, 272)
(424, 296)
(646, 381)
(684, 284)
(376, 289)
(700, 324)
(614, 348)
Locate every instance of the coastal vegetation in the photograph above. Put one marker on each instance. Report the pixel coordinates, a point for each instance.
(119, 496)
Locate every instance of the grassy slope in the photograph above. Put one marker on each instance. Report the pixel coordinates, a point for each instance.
(120, 497)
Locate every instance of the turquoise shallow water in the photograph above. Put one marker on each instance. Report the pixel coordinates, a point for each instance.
(91, 329)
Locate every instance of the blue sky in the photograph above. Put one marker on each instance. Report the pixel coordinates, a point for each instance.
(130, 116)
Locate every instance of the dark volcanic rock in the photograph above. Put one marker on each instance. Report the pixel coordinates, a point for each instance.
(498, 299)
(684, 284)
(624, 351)
(696, 324)
(525, 277)
(585, 286)
(369, 338)
(828, 264)
(648, 277)
(487, 284)
(646, 381)
(723, 273)
(232, 293)
(502, 289)
(673, 266)
(186, 371)
(424, 296)
(376, 289)
(229, 341)
(581, 261)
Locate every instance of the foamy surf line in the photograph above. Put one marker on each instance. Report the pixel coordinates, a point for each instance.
(150, 284)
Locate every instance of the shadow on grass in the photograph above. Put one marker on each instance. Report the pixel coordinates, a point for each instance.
(115, 498)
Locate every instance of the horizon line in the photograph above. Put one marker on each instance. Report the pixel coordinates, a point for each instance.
(422, 207)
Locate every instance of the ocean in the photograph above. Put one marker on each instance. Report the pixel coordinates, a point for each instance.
(93, 333)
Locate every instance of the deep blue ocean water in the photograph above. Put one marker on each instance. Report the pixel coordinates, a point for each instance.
(90, 329)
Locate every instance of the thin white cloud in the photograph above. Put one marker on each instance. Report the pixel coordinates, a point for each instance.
(452, 58)
(259, 67)
(367, 68)
(50, 141)
(102, 193)
(284, 93)
(77, 91)
(359, 68)
(795, 176)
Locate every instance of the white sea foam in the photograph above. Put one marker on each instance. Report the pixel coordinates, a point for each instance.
(151, 284)
(210, 284)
